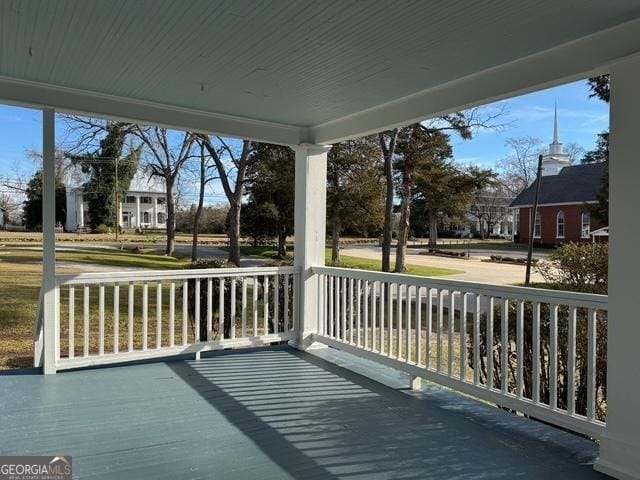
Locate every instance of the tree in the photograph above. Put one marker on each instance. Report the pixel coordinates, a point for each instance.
(520, 166)
(600, 87)
(167, 157)
(109, 174)
(388, 145)
(232, 167)
(271, 189)
(204, 178)
(33, 204)
(489, 206)
(355, 192)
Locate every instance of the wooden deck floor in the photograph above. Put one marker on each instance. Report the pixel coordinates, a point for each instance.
(274, 414)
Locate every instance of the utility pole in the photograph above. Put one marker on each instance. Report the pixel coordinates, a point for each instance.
(532, 227)
(117, 195)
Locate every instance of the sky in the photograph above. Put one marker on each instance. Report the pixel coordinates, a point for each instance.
(580, 119)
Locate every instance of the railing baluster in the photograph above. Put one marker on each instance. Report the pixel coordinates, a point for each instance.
(553, 352)
(399, 301)
(116, 318)
(535, 381)
(463, 338)
(490, 316)
(429, 327)
(159, 315)
(408, 323)
(185, 312)
(85, 321)
(390, 319)
(101, 319)
(172, 314)
(210, 308)
(451, 331)
(266, 305)
(591, 364)
(232, 311)
(72, 325)
(145, 315)
(196, 320)
(419, 326)
(254, 306)
(130, 317)
(440, 327)
(221, 287)
(343, 319)
(520, 349)
(276, 304)
(571, 362)
(243, 333)
(358, 310)
(476, 340)
(381, 321)
(370, 287)
(351, 311)
(331, 308)
(504, 347)
(286, 304)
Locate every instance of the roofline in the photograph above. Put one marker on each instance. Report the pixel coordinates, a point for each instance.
(561, 204)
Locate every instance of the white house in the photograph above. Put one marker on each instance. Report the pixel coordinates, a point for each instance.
(143, 206)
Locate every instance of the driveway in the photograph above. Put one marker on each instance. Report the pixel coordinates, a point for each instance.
(473, 269)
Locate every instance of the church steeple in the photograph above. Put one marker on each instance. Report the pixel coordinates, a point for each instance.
(556, 159)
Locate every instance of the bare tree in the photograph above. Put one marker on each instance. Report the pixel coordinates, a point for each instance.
(519, 167)
(388, 146)
(574, 150)
(166, 159)
(232, 169)
(490, 206)
(204, 175)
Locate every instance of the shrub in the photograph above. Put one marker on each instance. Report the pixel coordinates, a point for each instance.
(579, 267)
(102, 228)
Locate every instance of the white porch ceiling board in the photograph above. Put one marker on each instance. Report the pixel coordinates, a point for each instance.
(300, 66)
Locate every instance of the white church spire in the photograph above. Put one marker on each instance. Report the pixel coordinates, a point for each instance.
(556, 159)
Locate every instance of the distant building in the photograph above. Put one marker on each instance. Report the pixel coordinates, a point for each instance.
(566, 191)
(143, 206)
(490, 213)
(3, 218)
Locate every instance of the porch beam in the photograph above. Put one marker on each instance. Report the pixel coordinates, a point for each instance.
(310, 232)
(50, 310)
(620, 443)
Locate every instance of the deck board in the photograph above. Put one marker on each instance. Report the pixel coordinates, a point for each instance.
(273, 414)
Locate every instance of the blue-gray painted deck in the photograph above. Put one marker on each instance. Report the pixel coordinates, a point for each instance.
(274, 414)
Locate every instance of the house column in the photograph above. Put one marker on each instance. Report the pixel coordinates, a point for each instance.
(138, 219)
(154, 222)
(310, 233)
(620, 444)
(80, 196)
(49, 300)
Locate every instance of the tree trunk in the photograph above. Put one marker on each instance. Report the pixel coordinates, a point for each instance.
(388, 215)
(433, 231)
(282, 243)
(234, 232)
(198, 213)
(403, 229)
(171, 217)
(335, 240)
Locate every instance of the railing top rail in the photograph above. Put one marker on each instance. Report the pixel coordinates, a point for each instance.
(560, 297)
(155, 275)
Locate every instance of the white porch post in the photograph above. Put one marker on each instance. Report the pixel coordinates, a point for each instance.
(50, 310)
(310, 232)
(620, 445)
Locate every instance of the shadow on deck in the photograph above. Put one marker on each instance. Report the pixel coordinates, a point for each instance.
(274, 413)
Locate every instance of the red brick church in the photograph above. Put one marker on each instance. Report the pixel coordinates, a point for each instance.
(566, 191)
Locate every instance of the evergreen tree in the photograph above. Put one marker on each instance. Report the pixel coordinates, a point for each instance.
(100, 166)
(33, 204)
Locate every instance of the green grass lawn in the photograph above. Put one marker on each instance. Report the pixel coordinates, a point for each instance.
(351, 262)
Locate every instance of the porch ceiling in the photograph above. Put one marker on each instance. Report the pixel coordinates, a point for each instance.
(291, 71)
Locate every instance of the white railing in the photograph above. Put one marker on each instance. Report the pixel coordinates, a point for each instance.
(538, 352)
(106, 318)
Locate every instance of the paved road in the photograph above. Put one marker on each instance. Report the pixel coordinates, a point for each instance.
(474, 269)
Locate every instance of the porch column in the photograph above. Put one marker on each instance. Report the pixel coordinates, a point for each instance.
(49, 307)
(310, 233)
(154, 222)
(80, 195)
(138, 219)
(620, 444)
